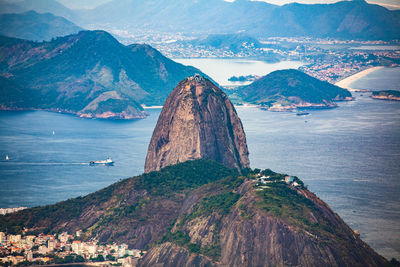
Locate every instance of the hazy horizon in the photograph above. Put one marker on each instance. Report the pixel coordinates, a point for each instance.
(88, 4)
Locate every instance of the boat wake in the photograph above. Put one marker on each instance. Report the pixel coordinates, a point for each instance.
(107, 162)
(43, 163)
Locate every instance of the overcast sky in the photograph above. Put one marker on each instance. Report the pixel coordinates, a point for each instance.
(75, 4)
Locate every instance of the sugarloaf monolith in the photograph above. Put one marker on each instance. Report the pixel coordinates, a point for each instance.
(197, 121)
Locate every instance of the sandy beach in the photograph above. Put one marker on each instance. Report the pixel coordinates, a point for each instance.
(345, 83)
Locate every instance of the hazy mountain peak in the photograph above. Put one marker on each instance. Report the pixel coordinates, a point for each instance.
(36, 26)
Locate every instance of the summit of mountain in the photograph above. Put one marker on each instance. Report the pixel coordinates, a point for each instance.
(197, 121)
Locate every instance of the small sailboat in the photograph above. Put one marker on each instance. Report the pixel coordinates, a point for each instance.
(54, 132)
(7, 158)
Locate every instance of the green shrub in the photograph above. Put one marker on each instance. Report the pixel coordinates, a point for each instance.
(179, 237)
(193, 248)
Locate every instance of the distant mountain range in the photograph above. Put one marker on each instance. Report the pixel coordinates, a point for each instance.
(36, 27)
(347, 19)
(41, 6)
(292, 89)
(89, 73)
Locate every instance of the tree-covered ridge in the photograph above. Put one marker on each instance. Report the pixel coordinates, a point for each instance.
(76, 73)
(188, 175)
(114, 199)
(291, 86)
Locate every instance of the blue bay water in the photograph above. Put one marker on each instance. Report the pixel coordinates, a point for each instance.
(348, 156)
(46, 168)
(381, 79)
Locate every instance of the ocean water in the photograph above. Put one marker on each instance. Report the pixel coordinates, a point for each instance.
(44, 168)
(380, 79)
(348, 156)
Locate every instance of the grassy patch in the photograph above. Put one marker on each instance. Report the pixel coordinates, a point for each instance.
(283, 202)
(187, 175)
(219, 203)
(194, 248)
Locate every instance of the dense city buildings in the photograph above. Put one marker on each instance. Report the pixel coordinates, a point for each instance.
(28, 249)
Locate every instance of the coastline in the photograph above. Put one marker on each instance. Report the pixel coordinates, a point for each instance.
(345, 83)
(108, 115)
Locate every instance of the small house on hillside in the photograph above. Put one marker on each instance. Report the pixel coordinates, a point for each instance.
(289, 179)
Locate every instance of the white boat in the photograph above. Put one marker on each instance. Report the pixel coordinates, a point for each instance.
(108, 161)
(7, 158)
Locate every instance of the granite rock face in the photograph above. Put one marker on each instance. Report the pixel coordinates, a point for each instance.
(252, 236)
(197, 121)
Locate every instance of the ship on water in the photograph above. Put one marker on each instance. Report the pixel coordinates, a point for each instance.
(108, 162)
(302, 113)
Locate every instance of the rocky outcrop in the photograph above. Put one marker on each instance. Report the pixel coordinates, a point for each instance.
(170, 255)
(112, 105)
(386, 95)
(250, 235)
(197, 121)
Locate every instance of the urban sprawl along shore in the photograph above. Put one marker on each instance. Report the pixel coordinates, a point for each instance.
(62, 248)
(326, 59)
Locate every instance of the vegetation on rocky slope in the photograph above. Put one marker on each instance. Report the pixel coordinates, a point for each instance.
(200, 211)
(114, 201)
(291, 87)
